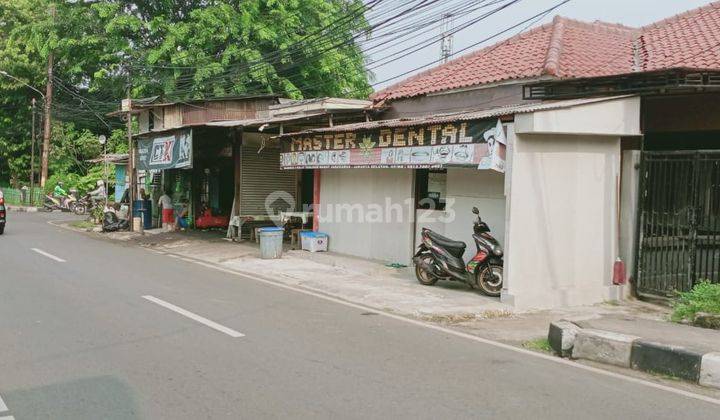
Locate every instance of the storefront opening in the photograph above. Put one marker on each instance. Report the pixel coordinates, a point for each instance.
(430, 189)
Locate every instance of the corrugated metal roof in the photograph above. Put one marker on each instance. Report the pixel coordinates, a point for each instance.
(458, 116)
(111, 158)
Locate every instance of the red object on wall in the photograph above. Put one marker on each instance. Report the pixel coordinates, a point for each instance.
(619, 276)
(316, 200)
(207, 221)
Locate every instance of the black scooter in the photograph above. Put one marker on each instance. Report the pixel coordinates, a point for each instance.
(441, 258)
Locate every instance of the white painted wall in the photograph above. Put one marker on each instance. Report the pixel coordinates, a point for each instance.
(367, 190)
(616, 117)
(467, 188)
(484, 189)
(630, 189)
(563, 220)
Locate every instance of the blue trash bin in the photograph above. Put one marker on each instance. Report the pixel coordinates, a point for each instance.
(143, 209)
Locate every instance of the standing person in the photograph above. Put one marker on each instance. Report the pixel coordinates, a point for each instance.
(166, 210)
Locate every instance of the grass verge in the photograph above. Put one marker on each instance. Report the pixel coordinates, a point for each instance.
(82, 224)
(541, 345)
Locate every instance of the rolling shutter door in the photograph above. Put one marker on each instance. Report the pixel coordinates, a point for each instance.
(262, 176)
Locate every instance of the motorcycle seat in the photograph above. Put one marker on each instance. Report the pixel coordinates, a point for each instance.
(455, 248)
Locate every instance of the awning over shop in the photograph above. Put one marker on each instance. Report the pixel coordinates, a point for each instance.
(459, 143)
(473, 139)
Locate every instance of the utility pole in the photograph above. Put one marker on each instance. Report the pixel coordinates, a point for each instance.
(446, 40)
(131, 153)
(47, 133)
(32, 157)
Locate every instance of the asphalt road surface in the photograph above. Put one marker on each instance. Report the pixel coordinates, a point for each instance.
(96, 330)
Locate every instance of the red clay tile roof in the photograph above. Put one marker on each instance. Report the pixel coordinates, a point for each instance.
(690, 39)
(568, 48)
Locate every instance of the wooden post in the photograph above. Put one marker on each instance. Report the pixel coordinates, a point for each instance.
(237, 160)
(131, 162)
(316, 199)
(48, 120)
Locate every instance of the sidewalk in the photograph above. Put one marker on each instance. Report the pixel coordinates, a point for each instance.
(372, 284)
(369, 283)
(22, 209)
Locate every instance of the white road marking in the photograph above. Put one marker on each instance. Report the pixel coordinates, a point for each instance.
(195, 317)
(3, 406)
(7, 418)
(45, 254)
(320, 294)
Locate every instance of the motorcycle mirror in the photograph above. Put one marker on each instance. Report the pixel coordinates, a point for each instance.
(475, 210)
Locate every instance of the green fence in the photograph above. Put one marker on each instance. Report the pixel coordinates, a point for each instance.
(20, 197)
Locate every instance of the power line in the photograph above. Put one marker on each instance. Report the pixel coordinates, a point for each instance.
(225, 84)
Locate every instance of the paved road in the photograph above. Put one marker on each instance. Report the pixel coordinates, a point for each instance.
(79, 341)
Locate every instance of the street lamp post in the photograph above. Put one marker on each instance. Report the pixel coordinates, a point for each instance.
(32, 157)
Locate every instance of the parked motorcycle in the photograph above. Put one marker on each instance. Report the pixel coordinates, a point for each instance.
(441, 258)
(81, 206)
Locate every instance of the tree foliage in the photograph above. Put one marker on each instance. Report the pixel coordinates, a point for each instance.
(176, 49)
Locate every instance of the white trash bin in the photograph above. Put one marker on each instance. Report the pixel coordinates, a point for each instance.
(271, 242)
(314, 241)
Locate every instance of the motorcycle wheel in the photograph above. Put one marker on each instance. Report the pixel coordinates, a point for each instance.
(490, 279)
(423, 276)
(80, 209)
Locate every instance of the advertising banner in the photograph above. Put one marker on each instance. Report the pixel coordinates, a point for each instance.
(462, 143)
(172, 151)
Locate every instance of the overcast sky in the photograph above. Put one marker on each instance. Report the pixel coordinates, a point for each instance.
(627, 12)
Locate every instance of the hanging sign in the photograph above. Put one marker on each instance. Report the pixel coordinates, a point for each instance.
(462, 143)
(172, 151)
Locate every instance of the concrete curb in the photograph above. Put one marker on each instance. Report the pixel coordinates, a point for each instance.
(569, 340)
(562, 337)
(710, 370)
(604, 347)
(661, 358)
(22, 209)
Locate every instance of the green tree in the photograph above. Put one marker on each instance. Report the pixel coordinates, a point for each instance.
(294, 48)
(176, 49)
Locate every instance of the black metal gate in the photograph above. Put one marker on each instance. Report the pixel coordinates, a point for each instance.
(679, 241)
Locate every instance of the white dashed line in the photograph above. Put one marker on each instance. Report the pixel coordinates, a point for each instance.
(45, 254)
(195, 317)
(565, 362)
(3, 409)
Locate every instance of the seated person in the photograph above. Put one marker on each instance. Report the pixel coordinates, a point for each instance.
(98, 194)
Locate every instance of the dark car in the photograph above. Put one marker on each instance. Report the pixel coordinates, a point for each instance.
(2, 213)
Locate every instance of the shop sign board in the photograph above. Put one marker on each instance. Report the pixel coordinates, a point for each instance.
(172, 151)
(461, 143)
